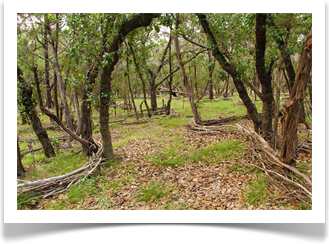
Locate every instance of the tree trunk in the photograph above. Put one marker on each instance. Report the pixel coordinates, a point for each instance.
(196, 115)
(142, 80)
(86, 110)
(211, 69)
(61, 85)
(170, 80)
(251, 108)
(47, 69)
(26, 93)
(20, 168)
(77, 111)
(277, 107)
(37, 82)
(131, 91)
(294, 103)
(153, 93)
(56, 97)
(264, 77)
(105, 91)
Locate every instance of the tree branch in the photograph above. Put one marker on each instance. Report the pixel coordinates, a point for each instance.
(51, 115)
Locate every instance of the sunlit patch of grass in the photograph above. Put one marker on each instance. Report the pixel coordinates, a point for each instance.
(27, 201)
(64, 162)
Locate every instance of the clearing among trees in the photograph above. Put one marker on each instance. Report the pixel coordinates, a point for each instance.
(231, 130)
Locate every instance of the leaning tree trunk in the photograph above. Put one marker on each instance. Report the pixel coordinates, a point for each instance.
(141, 78)
(27, 102)
(294, 103)
(196, 115)
(243, 94)
(61, 85)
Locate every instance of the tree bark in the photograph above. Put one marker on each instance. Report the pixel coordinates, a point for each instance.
(131, 90)
(77, 111)
(105, 84)
(86, 109)
(170, 80)
(37, 82)
(277, 107)
(196, 115)
(153, 93)
(264, 77)
(293, 105)
(47, 69)
(251, 108)
(56, 97)
(211, 69)
(26, 93)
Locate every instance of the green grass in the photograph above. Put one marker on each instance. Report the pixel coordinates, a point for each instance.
(222, 151)
(179, 153)
(153, 191)
(64, 162)
(164, 130)
(257, 191)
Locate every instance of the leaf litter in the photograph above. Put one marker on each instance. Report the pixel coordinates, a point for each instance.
(190, 185)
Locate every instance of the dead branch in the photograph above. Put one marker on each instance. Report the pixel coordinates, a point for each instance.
(265, 155)
(268, 150)
(58, 184)
(50, 114)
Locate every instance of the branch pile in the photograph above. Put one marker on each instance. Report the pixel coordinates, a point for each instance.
(286, 178)
(56, 185)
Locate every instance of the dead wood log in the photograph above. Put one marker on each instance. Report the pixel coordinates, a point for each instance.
(223, 120)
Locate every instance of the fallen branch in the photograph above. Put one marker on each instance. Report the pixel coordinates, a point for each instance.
(51, 115)
(267, 149)
(58, 184)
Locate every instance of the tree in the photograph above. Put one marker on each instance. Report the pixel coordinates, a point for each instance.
(59, 75)
(26, 99)
(189, 92)
(251, 108)
(111, 59)
(264, 77)
(293, 105)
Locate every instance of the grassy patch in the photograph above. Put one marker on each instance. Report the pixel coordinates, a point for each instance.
(27, 201)
(153, 191)
(223, 151)
(179, 153)
(64, 162)
(258, 192)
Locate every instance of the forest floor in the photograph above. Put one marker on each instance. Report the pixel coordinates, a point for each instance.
(161, 164)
